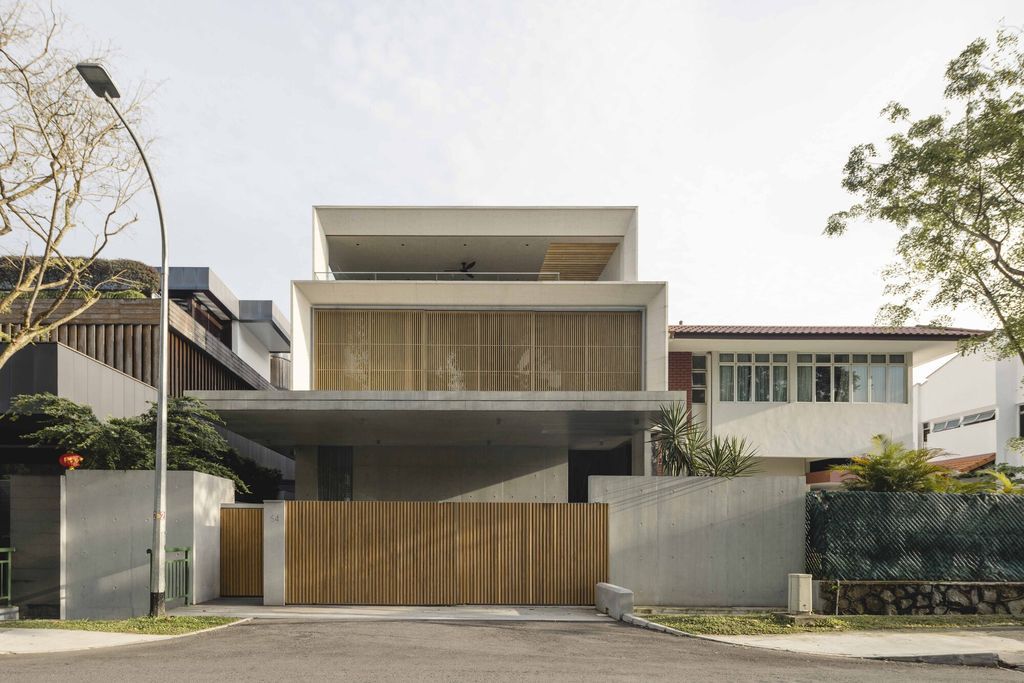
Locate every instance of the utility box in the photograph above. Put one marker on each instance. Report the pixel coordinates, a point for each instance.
(799, 594)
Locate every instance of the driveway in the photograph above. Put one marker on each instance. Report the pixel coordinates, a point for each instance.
(272, 650)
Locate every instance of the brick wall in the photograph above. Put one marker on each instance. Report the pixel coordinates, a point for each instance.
(680, 364)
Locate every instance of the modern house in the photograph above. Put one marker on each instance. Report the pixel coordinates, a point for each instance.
(486, 354)
(971, 407)
(806, 397)
(468, 354)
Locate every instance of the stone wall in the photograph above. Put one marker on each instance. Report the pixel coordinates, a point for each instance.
(884, 597)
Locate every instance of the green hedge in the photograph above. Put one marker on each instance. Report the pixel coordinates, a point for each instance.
(864, 536)
(129, 277)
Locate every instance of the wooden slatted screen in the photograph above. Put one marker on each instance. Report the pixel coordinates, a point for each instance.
(415, 553)
(241, 552)
(577, 260)
(409, 350)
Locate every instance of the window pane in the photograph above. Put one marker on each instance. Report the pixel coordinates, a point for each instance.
(700, 379)
(822, 358)
(742, 357)
(897, 392)
(823, 384)
(725, 357)
(762, 385)
(803, 358)
(698, 396)
(780, 383)
(743, 373)
(860, 358)
(842, 383)
(780, 358)
(877, 358)
(761, 357)
(805, 384)
(859, 378)
(726, 374)
(877, 376)
(842, 358)
(700, 362)
(896, 358)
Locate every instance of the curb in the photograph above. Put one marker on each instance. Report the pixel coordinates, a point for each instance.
(975, 659)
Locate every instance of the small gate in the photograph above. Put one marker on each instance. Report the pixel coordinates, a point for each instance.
(241, 551)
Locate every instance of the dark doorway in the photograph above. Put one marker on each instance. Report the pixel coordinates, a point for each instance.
(582, 464)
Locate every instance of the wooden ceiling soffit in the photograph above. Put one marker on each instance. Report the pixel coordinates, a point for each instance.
(577, 260)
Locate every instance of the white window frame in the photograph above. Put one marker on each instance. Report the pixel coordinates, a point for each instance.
(771, 364)
(870, 362)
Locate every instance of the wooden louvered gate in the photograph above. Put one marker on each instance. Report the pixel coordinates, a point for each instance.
(418, 553)
(241, 551)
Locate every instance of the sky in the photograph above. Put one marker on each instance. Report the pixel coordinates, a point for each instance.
(727, 123)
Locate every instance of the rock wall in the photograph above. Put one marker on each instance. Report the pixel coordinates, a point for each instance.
(884, 597)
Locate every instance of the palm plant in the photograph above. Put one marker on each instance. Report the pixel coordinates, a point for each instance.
(730, 456)
(893, 468)
(1001, 483)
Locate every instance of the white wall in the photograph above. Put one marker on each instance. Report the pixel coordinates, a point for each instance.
(250, 349)
(702, 541)
(108, 527)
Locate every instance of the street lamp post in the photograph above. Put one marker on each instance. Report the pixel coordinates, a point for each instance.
(101, 84)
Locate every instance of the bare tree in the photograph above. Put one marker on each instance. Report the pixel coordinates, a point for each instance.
(67, 178)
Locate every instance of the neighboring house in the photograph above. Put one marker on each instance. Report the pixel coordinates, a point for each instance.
(473, 354)
(972, 406)
(806, 397)
(107, 358)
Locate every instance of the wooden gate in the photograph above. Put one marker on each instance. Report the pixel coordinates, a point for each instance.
(241, 551)
(412, 553)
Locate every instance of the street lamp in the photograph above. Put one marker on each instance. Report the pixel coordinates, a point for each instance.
(98, 80)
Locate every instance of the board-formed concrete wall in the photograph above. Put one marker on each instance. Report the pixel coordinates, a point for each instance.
(108, 529)
(702, 541)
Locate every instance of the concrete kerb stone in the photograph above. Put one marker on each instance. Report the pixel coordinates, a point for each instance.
(615, 601)
(151, 638)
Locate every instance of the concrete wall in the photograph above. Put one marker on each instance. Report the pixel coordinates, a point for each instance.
(532, 475)
(250, 349)
(704, 542)
(109, 527)
(35, 536)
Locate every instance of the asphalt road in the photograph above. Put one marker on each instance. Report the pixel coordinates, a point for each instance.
(276, 650)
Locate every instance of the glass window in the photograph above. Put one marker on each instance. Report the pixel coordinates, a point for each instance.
(859, 382)
(803, 358)
(761, 357)
(841, 374)
(876, 377)
(860, 358)
(743, 357)
(725, 357)
(841, 358)
(762, 383)
(780, 383)
(780, 357)
(823, 383)
(743, 377)
(897, 388)
(896, 358)
(877, 358)
(699, 395)
(822, 358)
(700, 379)
(805, 383)
(726, 382)
(700, 362)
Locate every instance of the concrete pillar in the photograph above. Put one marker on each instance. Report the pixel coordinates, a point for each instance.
(273, 552)
(642, 454)
(306, 473)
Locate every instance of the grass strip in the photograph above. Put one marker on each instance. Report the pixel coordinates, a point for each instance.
(769, 624)
(159, 626)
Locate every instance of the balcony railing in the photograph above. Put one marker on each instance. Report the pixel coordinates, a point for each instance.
(439, 276)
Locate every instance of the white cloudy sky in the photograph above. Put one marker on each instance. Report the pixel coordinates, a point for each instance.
(727, 123)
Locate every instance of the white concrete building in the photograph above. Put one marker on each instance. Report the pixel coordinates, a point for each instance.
(806, 397)
(507, 353)
(971, 406)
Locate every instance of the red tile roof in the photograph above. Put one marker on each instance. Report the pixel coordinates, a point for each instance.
(967, 463)
(820, 332)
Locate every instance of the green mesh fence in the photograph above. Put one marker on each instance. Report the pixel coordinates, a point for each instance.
(859, 536)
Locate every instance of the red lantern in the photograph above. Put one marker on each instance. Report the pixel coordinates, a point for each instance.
(70, 460)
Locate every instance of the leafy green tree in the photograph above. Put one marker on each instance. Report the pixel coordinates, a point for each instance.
(892, 468)
(953, 185)
(193, 443)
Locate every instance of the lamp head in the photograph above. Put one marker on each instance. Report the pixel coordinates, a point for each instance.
(98, 80)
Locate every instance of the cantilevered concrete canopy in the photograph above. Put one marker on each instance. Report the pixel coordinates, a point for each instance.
(577, 420)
